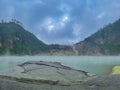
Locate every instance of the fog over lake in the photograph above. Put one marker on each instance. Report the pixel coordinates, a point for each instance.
(99, 65)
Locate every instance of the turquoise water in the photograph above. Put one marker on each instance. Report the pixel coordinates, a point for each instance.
(99, 65)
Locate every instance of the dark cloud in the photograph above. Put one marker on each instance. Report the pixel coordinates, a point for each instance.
(61, 21)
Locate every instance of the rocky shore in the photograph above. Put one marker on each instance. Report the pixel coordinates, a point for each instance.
(99, 83)
(46, 72)
(39, 75)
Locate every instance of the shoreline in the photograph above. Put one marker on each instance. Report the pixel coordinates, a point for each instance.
(111, 82)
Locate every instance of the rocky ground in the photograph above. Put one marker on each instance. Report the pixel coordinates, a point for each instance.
(50, 72)
(101, 83)
(54, 76)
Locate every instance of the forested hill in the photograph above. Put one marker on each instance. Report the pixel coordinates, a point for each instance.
(15, 40)
(105, 41)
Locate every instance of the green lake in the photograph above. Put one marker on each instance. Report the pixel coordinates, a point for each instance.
(99, 65)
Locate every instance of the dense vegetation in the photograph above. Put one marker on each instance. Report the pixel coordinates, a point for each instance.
(106, 41)
(14, 39)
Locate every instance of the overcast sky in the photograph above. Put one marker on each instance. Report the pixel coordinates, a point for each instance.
(61, 21)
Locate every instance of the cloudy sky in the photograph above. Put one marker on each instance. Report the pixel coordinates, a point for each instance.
(61, 21)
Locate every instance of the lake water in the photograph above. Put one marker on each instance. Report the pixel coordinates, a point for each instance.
(99, 65)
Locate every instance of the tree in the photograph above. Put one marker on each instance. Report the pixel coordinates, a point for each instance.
(16, 21)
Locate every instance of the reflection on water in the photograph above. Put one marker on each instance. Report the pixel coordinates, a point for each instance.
(100, 65)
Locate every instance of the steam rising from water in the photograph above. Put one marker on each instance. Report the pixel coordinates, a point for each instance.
(75, 50)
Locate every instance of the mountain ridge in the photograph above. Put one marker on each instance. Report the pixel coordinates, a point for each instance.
(18, 41)
(105, 41)
(14, 39)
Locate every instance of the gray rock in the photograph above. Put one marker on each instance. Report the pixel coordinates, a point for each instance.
(47, 71)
